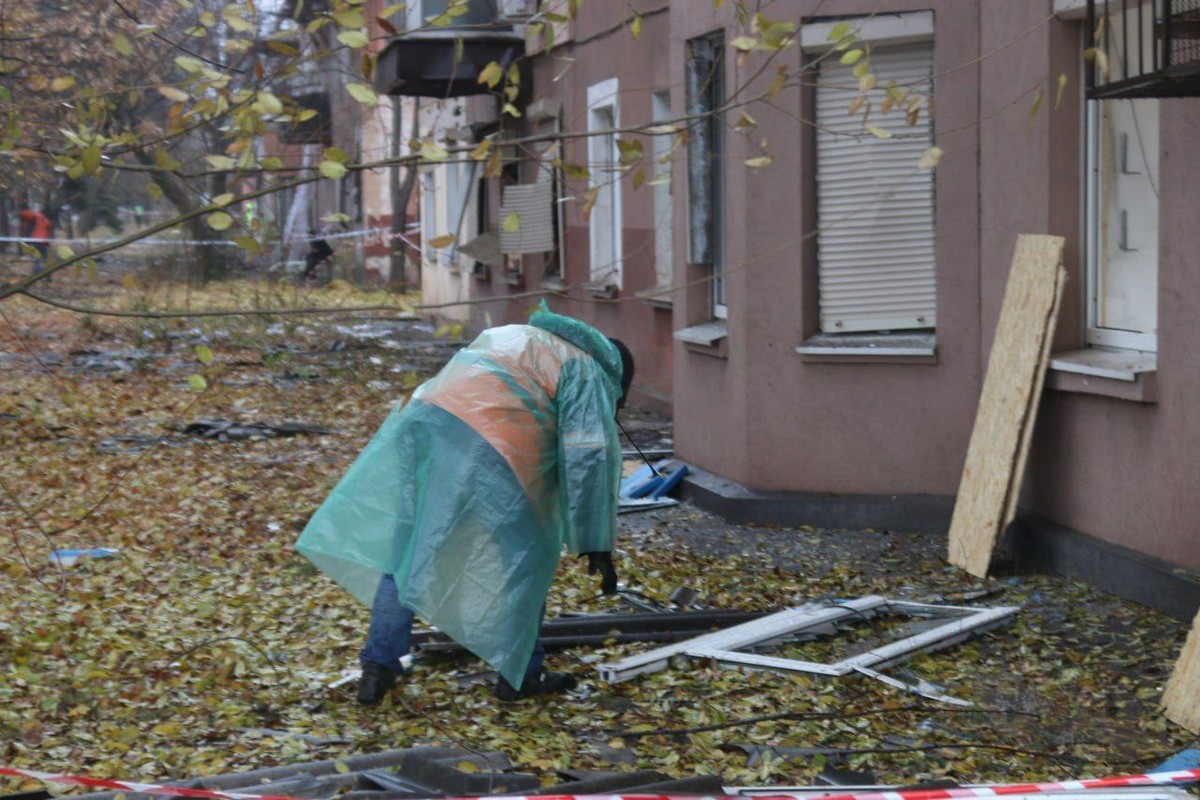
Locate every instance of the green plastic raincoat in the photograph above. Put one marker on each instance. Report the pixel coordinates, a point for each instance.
(468, 492)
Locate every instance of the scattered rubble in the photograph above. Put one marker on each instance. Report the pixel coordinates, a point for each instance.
(229, 431)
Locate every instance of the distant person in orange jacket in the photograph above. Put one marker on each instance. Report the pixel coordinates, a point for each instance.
(35, 228)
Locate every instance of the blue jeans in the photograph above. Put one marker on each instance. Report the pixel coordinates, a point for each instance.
(390, 635)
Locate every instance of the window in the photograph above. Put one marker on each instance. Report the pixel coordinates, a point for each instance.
(430, 223)
(447, 194)
(1122, 213)
(489, 192)
(663, 202)
(875, 208)
(549, 175)
(705, 77)
(604, 221)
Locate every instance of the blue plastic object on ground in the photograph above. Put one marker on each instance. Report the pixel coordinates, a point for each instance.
(70, 557)
(1184, 759)
(645, 483)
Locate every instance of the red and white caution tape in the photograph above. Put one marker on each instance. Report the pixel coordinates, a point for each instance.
(997, 790)
(140, 788)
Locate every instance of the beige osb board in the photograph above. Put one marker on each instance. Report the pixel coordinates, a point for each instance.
(987, 494)
(1182, 698)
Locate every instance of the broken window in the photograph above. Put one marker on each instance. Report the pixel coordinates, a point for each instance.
(705, 77)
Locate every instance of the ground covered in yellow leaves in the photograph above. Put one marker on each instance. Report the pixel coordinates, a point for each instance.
(205, 644)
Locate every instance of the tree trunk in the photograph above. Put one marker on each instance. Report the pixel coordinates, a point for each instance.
(401, 193)
(211, 263)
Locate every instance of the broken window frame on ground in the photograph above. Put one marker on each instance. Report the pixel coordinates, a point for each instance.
(810, 621)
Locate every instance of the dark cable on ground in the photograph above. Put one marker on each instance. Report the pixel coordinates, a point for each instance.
(655, 472)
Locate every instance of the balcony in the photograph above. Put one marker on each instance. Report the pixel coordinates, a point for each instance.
(1143, 48)
(441, 62)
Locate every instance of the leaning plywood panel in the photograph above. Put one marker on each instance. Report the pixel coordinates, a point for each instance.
(1182, 698)
(987, 495)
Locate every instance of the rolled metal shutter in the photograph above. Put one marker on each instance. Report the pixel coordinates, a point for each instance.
(533, 203)
(875, 209)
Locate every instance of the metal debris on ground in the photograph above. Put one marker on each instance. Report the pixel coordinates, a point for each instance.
(419, 772)
(133, 443)
(225, 430)
(445, 772)
(115, 361)
(598, 629)
(809, 621)
(628, 505)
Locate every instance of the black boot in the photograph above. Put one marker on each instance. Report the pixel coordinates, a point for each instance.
(541, 683)
(376, 682)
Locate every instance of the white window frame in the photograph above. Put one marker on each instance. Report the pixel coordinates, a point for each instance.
(430, 216)
(663, 196)
(880, 31)
(726, 646)
(694, 105)
(876, 30)
(1094, 227)
(1097, 335)
(604, 114)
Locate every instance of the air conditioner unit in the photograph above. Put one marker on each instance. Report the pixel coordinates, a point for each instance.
(517, 10)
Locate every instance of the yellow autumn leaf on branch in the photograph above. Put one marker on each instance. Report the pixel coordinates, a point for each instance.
(219, 221)
(930, 158)
(331, 169)
(363, 94)
(173, 94)
(354, 38)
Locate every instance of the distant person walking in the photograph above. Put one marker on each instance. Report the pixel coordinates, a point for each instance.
(319, 252)
(35, 231)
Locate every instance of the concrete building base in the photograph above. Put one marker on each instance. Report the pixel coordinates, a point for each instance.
(901, 513)
(1048, 547)
(1030, 545)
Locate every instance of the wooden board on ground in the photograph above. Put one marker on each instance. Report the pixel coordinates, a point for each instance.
(987, 494)
(1182, 697)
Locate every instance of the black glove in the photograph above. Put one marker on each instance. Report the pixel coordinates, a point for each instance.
(602, 563)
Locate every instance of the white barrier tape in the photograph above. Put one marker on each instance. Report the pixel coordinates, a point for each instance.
(98, 242)
(1158, 778)
(1119, 781)
(140, 788)
(226, 242)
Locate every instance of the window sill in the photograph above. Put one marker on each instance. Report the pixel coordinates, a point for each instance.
(1109, 372)
(553, 283)
(707, 338)
(657, 297)
(513, 278)
(870, 348)
(608, 291)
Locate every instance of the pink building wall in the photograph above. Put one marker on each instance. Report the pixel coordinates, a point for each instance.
(602, 48)
(759, 414)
